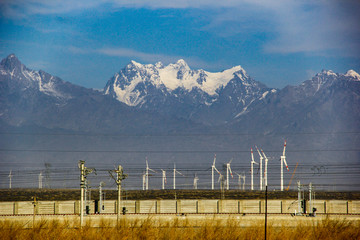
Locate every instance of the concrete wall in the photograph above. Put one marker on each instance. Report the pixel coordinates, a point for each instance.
(229, 206)
(167, 206)
(183, 206)
(148, 206)
(208, 206)
(187, 206)
(65, 207)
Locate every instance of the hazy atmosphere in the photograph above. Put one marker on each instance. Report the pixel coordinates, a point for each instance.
(115, 82)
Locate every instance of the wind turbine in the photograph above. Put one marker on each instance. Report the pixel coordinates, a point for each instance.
(261, 174)
(283, 161)
(196, 179)
(147, 174)
(239, 180)
(252, 169)
(10, 176)
(40, 180)
(212, 172)
(144, 180)
(243, 178)
(228, 169)
(163, 178)
(175, 171)
(221, 181)
(265, 170)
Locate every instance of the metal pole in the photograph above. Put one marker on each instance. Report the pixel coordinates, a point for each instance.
(82, 188)
(310, 197)
(299, 197)
(100, 196)
(282, 174)
(261, 174)
(34, 212)
(120, 176)
(266, 188)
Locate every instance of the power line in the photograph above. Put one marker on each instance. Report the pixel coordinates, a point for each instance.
(170, 151)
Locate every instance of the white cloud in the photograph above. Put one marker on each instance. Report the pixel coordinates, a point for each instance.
(294, 26)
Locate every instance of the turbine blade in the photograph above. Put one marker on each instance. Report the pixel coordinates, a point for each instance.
(252, 155)
(284, 148)
(258, 152)
(286, 164)
(231, 172)
(264, 154)
(214, 159)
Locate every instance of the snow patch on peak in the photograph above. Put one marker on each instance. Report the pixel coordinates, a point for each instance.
(353, 74)
(159, 65)
(328, 73)
(182, 64)
(136, 64)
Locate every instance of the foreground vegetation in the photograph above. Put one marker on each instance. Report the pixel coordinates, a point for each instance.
(148, 228)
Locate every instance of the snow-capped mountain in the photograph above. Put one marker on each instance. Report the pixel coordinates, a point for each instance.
(174, 96)
(177, 90)
(328, 102)
(20, 78)
(36, 98)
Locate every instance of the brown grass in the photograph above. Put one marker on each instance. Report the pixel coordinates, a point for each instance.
(178, 228)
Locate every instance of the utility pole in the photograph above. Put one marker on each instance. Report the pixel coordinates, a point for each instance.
(266, 197)
(120, 176)
(84, 171)
(299, 198)
(34, 211)
(10, 176)
(100, 196)
(310, 198)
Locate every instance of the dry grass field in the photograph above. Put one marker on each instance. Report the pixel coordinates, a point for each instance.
(180, 227)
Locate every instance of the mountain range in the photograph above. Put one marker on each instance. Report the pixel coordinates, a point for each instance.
(223, 111)
(177, 97)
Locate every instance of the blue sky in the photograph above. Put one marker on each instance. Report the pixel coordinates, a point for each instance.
(279, 42)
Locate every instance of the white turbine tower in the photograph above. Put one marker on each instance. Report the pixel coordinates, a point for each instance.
(228, 169)
(144, 180)
(212, 172)
(243, 178)
(147, 174)
(163, 178)
(10, 178)
(239, 180)
(252, 169)
(196, 179)
(283, 161)
(261, 171)
(40, 180)
(265, 170)
(175, 171)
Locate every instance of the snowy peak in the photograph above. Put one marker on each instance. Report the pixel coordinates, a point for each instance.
(173, 76)
(353, 74)
(21, 78)
(11, 62)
